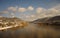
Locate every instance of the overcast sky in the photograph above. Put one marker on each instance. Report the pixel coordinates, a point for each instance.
(29, 9)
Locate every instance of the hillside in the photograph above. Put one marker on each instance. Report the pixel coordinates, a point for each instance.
(47, 20)
(53, 22)
(6, 23)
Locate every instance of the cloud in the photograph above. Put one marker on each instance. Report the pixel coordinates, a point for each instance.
(1, 13)
(30, 8)
(1, 16)
(14, 9)
(54, 11)
(40, 10)
(5, 12)
(12, 15)
(32, 16)
(27, 16)
(21, 9)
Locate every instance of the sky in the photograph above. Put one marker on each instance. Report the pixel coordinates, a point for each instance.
(29, 10)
